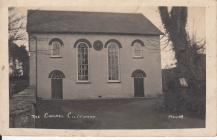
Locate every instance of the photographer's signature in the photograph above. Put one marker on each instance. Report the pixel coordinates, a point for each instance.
(176, 116)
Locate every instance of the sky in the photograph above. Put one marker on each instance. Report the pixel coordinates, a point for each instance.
(195, 23)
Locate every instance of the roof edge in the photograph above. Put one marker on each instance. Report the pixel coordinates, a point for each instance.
(32, 10)
(102, 33)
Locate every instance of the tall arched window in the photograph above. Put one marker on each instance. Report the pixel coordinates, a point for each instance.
(82, 52)
(113, 62)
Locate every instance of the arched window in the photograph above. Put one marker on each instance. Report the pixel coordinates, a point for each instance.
(56, 45)
(113, 62)
(138, 48)
(82, 57)
(138, 74)
(56, 74)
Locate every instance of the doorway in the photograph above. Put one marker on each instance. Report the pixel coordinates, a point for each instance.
(56, 84)
(138, 76)
(57, 88)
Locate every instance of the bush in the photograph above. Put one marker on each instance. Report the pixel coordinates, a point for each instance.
(191, 99)
(16, 86)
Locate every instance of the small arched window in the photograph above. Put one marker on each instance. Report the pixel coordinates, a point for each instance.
(138, 48)
(56, 45)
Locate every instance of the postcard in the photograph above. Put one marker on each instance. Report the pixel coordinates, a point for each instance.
(108, 68)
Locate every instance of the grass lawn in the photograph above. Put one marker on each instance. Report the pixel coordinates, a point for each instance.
(110, 114)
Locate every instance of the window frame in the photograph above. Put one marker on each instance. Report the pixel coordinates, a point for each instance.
(138, 44)
(77, 64)
(52, 49)
(118, 49)
(140, 50)
(56, 72)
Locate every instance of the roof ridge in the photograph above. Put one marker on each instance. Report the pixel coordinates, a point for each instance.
(99, 12)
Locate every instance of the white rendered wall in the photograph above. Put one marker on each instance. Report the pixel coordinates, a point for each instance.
(98, 71)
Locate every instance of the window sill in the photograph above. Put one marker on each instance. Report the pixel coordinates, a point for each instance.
(83, 82)
(114, 81)
(138, 57)
(55, 56)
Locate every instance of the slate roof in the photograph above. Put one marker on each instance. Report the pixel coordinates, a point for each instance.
(41, 21)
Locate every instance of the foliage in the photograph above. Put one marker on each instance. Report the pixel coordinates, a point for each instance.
(18, 55)
(16, 26)
(19, 58)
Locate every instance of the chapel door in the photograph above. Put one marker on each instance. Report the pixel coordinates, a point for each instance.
(138, 87)
(57, 88)
(138, 76)
(56, 77)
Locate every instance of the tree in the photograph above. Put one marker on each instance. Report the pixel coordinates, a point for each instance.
(174, 23)
(16, 26)
(18, 56)
(190, 62)
(186, 52)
